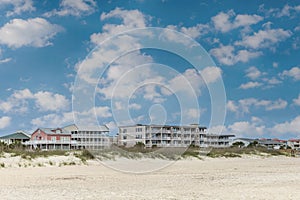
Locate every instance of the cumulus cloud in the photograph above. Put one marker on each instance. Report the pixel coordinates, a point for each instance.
(253, 73)
(293, 73)
(229, 56)
(231, 106)
(297, 101)
(288, 127)
(74, 8)
(5, 122)
(19, 6)
(247, 129)
(244, 105)
(211, 74)
(225, 22)
(193, 31)
(36, 32)
(47, 101)
(44, 101)
(264, 38)
(53, 120)
(6, 60)
(250, 84)
(285, 11)
(130, 19)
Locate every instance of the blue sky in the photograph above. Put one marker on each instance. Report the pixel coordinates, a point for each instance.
(46, 45)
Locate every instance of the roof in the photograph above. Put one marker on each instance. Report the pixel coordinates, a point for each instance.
(271, 142)
(294, 140)
(19, 135)
(166, 126)
(245, 139)
(74, 127)
(51, 131)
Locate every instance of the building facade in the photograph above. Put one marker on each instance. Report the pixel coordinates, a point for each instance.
(170, 136)
(294, 144)
(19, 136)
(50, 139)
(88, 137)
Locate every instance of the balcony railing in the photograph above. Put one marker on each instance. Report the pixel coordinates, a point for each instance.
(36, 142)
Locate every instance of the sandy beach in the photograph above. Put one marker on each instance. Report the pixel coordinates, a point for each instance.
(218, 178)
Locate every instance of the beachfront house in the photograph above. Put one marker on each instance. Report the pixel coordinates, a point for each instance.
(50, 139)
(89, 137)
(294, 144)
(170, 136)
(245, 141)
(19, 136)
(272, 143)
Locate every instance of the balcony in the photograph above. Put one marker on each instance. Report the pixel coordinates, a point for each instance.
(58, 142)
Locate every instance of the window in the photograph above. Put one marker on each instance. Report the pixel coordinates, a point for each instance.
(138, 136)
(53, 138)
(65, 139)
(138, 129)
(124, 130)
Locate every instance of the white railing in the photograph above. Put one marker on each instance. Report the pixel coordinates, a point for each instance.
(35, 142)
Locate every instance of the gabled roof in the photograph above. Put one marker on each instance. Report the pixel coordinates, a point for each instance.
(19, 135)
(51, 131)
(245, 139)
(74, 127)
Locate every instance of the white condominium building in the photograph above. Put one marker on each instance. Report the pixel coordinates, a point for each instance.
(89, 137)
(170, 136)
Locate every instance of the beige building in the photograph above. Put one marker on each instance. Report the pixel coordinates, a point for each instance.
(170, 136)
(89, 137)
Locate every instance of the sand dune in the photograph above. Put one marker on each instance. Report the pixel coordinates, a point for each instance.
(221, 178)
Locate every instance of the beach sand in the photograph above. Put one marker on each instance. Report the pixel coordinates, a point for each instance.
(218, 178)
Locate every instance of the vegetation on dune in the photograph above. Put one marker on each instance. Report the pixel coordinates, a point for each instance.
(235, 151)
(139, 151)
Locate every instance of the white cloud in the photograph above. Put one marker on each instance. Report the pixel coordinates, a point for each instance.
(211, 74)
(101, 111)
(74, 8)
(272, 81)
(19, 6)
(227, 55)
(53, 120)
(130, 19)
(294, 73)
(247, 129)
(244, 105)
(20, 100)
(264, 38)
(297, 101)
(286, 11)
(188, 82)
(225, 22)
(5, 122)
(231, 106)
(249, 85)
(99, 58)
(275, 64)
(6, 60)
(191, 80)
(193, 113)
(47, 101)
(218, 130)
(253, 73)
(36, 32)
(289, 127)
(135, 106)
(276, 105)
(193, 31)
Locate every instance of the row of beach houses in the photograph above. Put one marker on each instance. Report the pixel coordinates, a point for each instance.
(97, 137)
